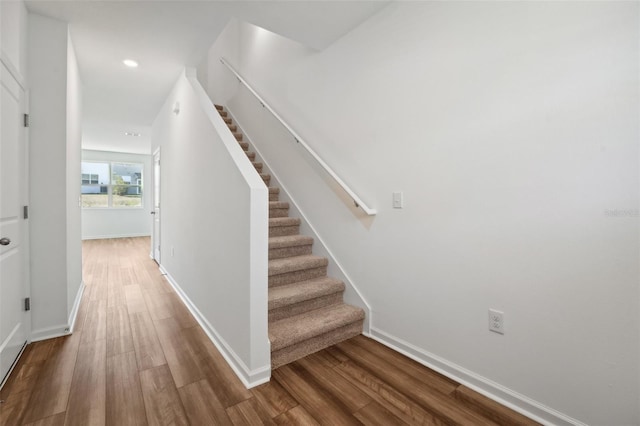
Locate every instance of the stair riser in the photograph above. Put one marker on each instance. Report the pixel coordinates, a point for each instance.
(278, 212)
(232, 127)
(258, 167)
(223, 113)
(306, 306)
(244, 146)
(266, 180)
(295, 276)
(251, 155)
(282, 252)
(274, 196)
(307, 347)
(238, 136)
(227, 120)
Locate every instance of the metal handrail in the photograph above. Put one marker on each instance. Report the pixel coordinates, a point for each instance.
(357, 200)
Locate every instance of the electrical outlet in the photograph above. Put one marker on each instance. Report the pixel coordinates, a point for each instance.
(496, 321)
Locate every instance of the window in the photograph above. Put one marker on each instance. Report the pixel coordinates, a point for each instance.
(111, 185)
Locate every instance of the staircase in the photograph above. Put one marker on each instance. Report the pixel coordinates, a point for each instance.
(306, 311)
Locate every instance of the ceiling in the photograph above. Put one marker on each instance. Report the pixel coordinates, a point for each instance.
(164, 37)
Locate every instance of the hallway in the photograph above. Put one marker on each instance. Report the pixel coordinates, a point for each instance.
(138, 357)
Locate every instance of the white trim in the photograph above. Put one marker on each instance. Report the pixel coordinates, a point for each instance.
(250, 378)
(106, 237)
(10, 336)
(73, 315)
(505, 396)
(50, 332)
(13, 365)
(348, 281)
(4, 58)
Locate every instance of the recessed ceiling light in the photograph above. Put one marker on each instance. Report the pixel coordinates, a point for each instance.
(134, 134)
(130, 63)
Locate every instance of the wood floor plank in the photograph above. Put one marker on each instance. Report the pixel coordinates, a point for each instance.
(51, 391)
(135, 300)
(87, 399)
(162, 402)
(13, 410)
(83, 309)
(125, 404)
(433, 379)
(230, 389)
(26, 371)
(115, 289)
(388, 397)
(119, 335)
(295, 417)
(55, 420)
(249, 413)
(95, 327)
(274, 398)
(324, 408)
(180, 312)
(429, 398)
(374, 414)
(182, 357)
(334, 383)
(100, 277)
(160, 305)
(491, 409)
(149, 353)
(202, 405)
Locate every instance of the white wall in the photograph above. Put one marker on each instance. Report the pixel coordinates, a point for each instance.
(117, 223)
(511, 129)
(213, 214)
(55, 108)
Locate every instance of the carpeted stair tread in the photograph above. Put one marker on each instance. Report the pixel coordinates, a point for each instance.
(244, 146)
(290, 331)
(290, 241)
(219, 107)
(283, 221)
(258, 166)
(302, 291)
(296, 263)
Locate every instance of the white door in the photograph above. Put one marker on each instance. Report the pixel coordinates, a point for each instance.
(156, 207)
(13, 318)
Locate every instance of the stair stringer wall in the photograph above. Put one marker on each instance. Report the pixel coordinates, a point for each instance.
(352, 294)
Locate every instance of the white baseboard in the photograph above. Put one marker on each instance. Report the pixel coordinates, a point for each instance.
(250, 378)
(50, 332)
(106, 237)
(76, 306)
(513, 400)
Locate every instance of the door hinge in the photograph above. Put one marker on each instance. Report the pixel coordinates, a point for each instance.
(27, 304)
(25, 212)
(26, 120)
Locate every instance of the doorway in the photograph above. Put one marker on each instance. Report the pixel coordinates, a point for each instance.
(155, 237)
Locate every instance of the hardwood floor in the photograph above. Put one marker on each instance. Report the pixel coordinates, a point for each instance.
(137, 357)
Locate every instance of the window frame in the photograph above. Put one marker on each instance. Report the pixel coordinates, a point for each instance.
(111, 184)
